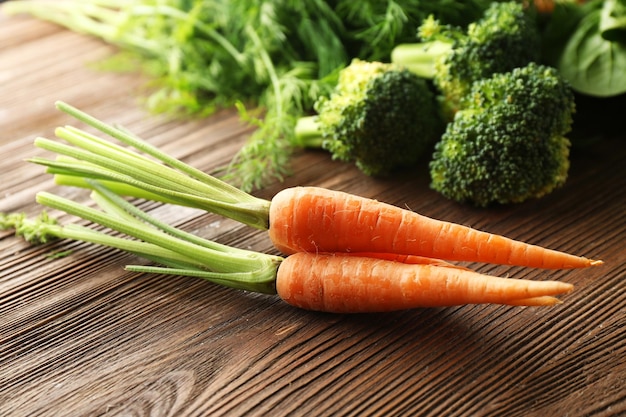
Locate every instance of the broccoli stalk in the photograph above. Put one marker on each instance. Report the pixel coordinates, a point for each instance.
(508, 142)
(308, 132)
(506, 37)
(380, 116)
(421, 58)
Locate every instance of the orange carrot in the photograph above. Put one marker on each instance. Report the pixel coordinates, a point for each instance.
(346, 283)
(337, 283)
(312, 219)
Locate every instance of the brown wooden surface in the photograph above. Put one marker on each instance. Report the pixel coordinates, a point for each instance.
(80, 336)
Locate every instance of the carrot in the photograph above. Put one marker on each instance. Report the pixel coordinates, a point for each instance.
(347, 284)
(308, 219)
(312, 219)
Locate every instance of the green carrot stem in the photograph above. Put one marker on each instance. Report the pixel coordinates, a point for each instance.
(145, 250)
(43, 229)
(161, 243)
(88, 156)
(125, 137)
(117, 187)
(113, 204)
(220, 261)
(243, 212)
(237, 280)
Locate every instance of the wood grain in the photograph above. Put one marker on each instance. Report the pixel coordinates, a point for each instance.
(79, 336)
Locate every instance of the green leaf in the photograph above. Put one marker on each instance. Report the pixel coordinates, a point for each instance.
(592, 64)
(612, 25)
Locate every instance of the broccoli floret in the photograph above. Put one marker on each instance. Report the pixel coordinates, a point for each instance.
(506, 37)
(508, 142)
(380, 116)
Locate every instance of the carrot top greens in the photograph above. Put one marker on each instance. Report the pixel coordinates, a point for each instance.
(178, 252)
(155, 175)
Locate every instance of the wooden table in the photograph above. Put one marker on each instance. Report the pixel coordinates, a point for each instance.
(80, 336)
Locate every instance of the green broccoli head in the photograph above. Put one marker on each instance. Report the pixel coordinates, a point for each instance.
(508, 142)
(506, 37)
(380, 116)
(544, 100)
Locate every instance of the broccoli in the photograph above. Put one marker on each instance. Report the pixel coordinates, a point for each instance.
(507, 144)
(506, 37)
(380, 116)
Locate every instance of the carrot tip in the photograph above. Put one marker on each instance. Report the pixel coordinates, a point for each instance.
(544, 301)
(596, 263)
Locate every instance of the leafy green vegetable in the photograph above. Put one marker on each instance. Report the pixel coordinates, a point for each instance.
(612, 25)
(587, 43)
(375, 27)
(203, 55)
(593, 64)
(275, 55)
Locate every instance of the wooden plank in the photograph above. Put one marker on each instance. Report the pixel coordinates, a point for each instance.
(80, 336)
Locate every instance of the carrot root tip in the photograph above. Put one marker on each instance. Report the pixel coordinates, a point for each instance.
(542, 301)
